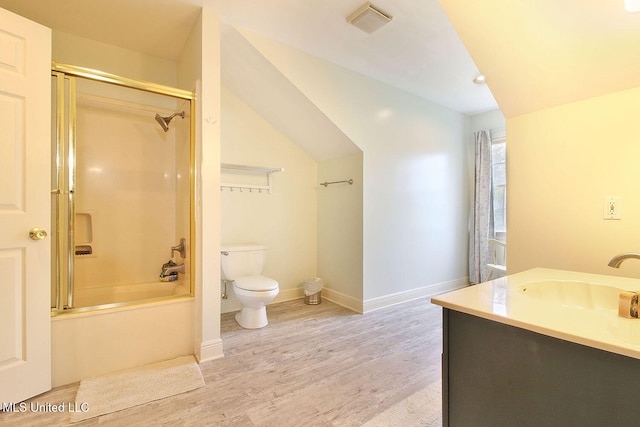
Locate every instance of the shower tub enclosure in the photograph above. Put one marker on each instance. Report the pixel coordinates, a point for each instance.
(122, 222)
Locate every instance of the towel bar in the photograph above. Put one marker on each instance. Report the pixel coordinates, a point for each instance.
(349, 181)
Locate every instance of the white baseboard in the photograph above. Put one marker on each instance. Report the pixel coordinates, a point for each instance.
(426, 291)
(231, 304)
(209, 350)
(355, 304)
(342, 299)
(289, 294)
(326, 293)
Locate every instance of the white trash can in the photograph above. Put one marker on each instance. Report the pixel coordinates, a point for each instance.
(312, 291)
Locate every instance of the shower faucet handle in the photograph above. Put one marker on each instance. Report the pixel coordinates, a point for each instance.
(181, 248)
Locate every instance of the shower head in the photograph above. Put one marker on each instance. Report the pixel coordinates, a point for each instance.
(164, 121)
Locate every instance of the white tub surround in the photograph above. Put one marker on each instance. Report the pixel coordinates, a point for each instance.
(558, 311)
(95, 343)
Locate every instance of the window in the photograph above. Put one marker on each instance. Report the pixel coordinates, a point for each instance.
(499, 179)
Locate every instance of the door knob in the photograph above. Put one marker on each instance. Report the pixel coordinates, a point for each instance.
(37, 233)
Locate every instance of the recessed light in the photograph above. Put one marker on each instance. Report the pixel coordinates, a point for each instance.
(369, 18)
(480, 79)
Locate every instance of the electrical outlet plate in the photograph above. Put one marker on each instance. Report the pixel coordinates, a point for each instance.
(612, 208)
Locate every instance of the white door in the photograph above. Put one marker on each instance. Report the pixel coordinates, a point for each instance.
(25, 192)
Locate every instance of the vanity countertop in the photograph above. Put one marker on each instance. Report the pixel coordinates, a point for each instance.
(503, 300)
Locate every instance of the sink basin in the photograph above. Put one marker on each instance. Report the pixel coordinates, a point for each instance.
(574, 294)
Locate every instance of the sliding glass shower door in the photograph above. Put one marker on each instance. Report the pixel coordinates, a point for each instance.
(122, 192)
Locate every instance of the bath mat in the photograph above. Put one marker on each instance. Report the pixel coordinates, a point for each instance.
(423, 408)
(132, 387)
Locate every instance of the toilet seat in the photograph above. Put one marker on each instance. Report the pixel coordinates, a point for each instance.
(256, 283)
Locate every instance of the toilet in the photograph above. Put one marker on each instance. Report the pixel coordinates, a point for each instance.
(243, 264)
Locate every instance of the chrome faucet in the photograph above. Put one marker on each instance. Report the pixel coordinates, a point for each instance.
(172, 269)
(618, 259)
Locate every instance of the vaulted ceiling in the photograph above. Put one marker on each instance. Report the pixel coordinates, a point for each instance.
(418, 51)
(535, 54)
(543, 53)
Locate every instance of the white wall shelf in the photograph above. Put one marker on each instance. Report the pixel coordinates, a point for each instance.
(249, 170)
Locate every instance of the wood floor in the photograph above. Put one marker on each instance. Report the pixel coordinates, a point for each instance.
(313, 365)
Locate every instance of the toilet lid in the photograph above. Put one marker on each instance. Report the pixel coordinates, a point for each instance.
(256, 283)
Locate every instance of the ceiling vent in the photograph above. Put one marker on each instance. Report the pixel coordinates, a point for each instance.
(369, 18)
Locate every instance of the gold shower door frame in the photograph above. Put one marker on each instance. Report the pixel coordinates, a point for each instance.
(64, 178)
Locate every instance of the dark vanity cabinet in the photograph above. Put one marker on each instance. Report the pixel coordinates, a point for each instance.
(500, 375)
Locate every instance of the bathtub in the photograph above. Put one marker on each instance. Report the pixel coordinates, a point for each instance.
(571, 306)
(93, 297)
(158, 323)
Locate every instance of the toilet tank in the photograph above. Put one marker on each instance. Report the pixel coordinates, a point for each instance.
(242, 260)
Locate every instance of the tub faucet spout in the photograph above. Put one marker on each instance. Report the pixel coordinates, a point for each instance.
(618, 259)
(172, 269)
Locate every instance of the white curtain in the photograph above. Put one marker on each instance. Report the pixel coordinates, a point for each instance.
(481, 227)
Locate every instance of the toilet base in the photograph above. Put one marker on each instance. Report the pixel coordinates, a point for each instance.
(252, 318)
